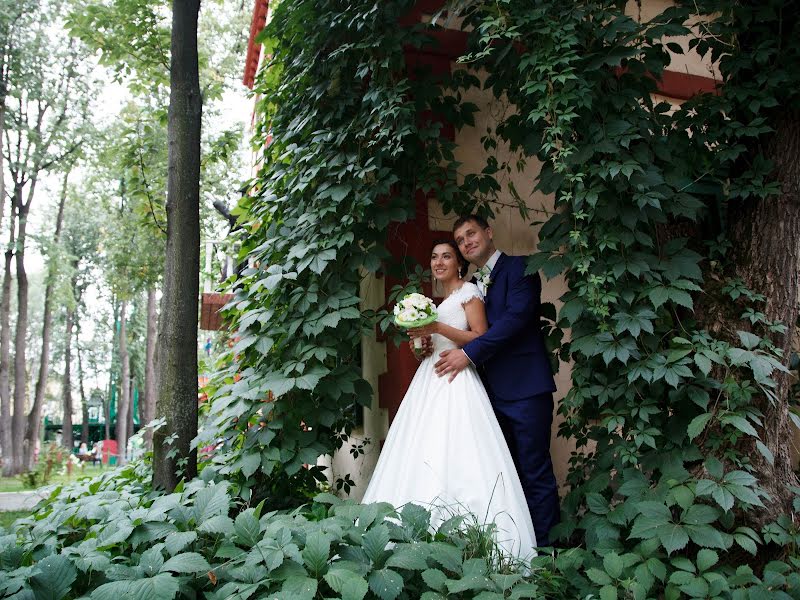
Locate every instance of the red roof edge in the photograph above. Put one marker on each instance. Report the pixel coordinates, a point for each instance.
(253, 47)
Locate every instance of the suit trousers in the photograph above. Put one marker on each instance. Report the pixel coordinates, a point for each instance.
(526, 426)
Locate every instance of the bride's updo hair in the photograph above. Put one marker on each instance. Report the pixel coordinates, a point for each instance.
(462, 262)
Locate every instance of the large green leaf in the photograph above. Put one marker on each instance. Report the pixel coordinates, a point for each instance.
(188, 562)
(161, 587)
(348, 584)
(211, 501)
(316, 552)
(386, 584)
(53, 578)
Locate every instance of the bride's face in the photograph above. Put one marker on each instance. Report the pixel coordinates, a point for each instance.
(444, 263)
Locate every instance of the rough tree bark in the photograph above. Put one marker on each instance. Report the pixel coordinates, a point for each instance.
(177, 376)
(66, 428)
(20, 362)
(149, 401)
(123, 405)
(35, 414)
(765, 238)
(5, 352)
(5, 390)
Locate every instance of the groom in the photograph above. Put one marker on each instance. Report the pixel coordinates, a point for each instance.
(513, 363)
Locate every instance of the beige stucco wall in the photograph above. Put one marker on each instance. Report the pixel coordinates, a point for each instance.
(376, 419)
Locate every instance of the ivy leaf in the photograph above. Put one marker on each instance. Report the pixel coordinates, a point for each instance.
(450, 557)
(706, 559)
(698, 424)
(348, 584)
(188, 562)
(706, 536)
(613, 565)
(151, 561)
(161, 587)
(739, 423)
(220, 524)
(597, 503)
(210, 502)
(700, 514)
(375, 542)
(765, 452)
(673, 537)
(703, 363)
(408, 556)
(386, 584)
(749, 340)
(316, 552)
(178, 540)
(247, 528)
(435, 579)
(300, 587)
(598, 576)
(746, 543)
(321, 260)
(109, 536)
(658, 296)
(608, 592)
(250, 463)
(280, 385)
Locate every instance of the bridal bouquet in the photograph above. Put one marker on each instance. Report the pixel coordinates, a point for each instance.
(414, 310)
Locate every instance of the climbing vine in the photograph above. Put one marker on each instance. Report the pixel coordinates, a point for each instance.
(345, 141)
(679, 397)
(679, 390)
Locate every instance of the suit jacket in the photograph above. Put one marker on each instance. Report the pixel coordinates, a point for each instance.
(511, 354)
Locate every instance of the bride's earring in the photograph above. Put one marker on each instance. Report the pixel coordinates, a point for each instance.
(460, 274)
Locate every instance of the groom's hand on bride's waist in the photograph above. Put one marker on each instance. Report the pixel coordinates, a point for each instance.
(451, 362)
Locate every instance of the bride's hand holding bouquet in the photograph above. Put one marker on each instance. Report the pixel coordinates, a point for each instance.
(415, 313)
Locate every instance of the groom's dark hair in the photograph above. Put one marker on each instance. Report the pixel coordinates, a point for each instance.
(477, 219)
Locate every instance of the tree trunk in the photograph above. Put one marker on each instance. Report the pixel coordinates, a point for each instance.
(177, 376)
(107, 401)
(149, 400)
(82, 388)
(9, 449)
(20, 362)
(123, 403)
(131, 387)
(35, 415)
(765, 240)
(66, 428)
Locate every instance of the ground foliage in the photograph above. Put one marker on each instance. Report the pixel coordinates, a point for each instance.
(114, 537)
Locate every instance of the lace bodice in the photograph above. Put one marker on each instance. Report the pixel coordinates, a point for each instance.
(451, 312)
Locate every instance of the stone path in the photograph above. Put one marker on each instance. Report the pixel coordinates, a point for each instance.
(21, 500)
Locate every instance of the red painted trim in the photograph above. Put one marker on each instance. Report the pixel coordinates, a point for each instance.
(253, 48)
(683, 86)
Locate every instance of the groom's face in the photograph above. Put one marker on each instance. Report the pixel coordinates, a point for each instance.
(475, 242)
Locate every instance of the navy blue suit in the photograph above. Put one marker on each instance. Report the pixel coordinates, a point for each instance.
(512, 360)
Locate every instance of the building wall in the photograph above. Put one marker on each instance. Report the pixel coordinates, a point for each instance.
(513, 234)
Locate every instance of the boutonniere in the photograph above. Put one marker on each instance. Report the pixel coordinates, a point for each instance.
(484, 276)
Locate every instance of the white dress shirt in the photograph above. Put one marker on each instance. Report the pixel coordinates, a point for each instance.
(490, 265)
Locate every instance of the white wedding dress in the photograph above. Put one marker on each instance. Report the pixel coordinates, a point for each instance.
(445, 450)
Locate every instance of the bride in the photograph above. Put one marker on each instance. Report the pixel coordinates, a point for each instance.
(445, 449)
